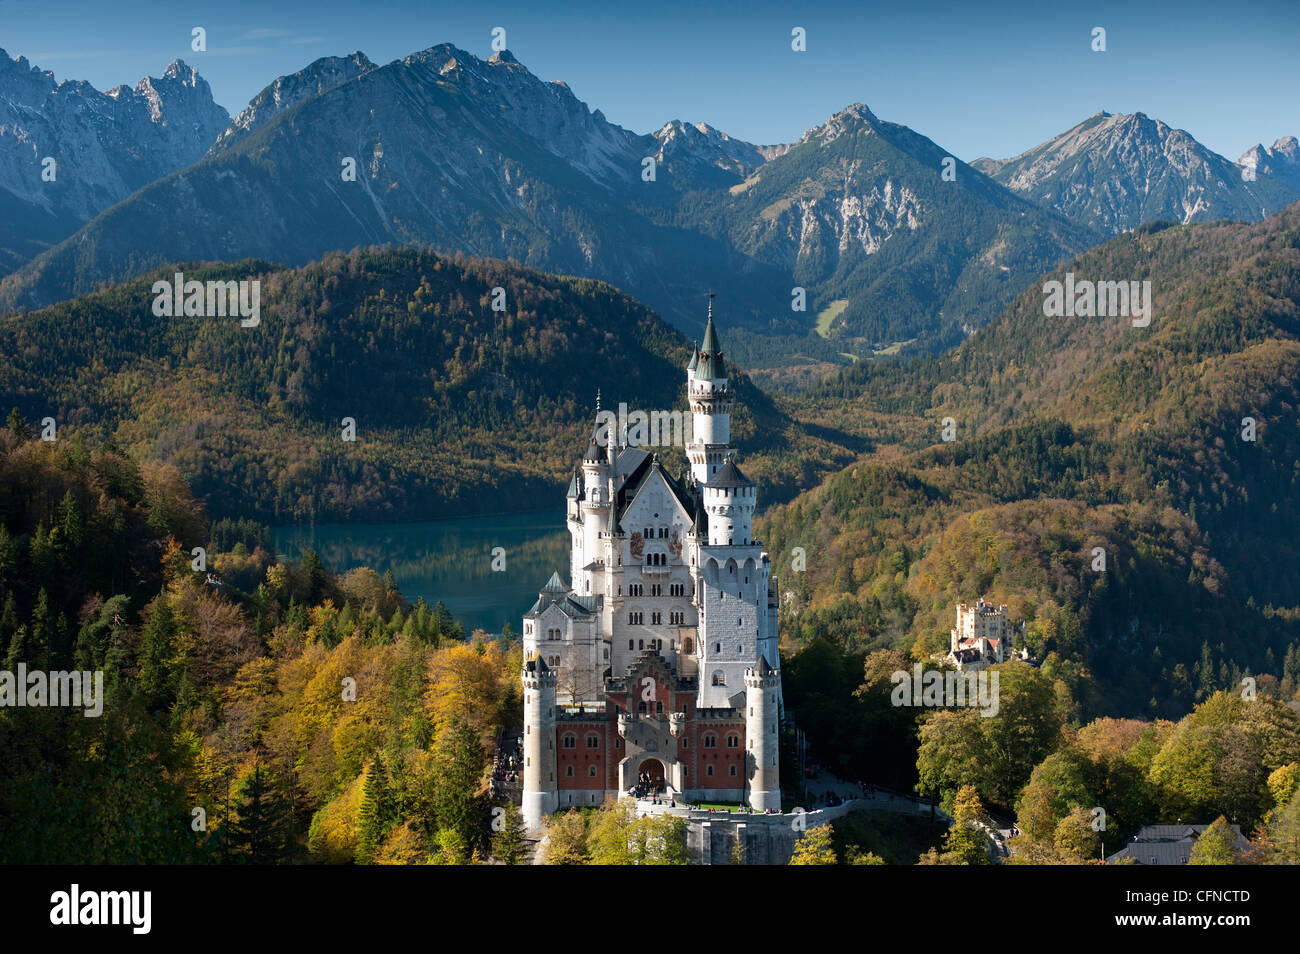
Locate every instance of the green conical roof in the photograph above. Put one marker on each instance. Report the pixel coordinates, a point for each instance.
(710, 335)
(710, 365)
(555, 585)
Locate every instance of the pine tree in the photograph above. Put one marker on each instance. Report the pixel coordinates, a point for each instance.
(70, 523)
(157, 681)
(456, 802)
(19, 425)
(259, 828)
(509, 844)
(738, 850)
(375, 816)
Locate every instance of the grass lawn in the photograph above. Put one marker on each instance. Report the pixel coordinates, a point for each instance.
(719, 806)
(829, 314)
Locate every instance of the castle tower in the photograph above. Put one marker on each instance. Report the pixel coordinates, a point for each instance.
(762, 686)
(729, 500)
(710, 399)
(540, 789)
(595, 505)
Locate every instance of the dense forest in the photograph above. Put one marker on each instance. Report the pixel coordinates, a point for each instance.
(273, 712)
(1070, 435)
(457, 407)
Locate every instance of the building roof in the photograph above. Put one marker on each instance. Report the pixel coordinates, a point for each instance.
(575, 486)
(1168, 844)
(695, 358)
(555, 593)
(728, 477)
(710, 364)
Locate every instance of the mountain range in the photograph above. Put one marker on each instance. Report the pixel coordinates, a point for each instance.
(1114, 172)
(857, 222)
(1170, 447)
(105, 146)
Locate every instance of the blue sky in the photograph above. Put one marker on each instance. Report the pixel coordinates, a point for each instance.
(979, 78)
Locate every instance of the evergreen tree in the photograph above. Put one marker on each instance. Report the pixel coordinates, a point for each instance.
(456, 802)
(260, 823)
(70, 523)
(509, 843)
(376, 815)
(19, 425)
(157, 680)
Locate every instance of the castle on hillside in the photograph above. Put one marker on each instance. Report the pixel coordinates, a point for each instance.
(656, 669)
(982, 637)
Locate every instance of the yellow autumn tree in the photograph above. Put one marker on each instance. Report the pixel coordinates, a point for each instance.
(814, 847)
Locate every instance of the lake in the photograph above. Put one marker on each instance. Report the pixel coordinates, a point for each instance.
(449, 560)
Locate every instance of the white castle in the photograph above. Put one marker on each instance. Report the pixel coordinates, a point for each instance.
(657, 669)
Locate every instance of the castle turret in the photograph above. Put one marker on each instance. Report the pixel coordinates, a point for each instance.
(762, 687)
(540, 789)
(595, 505)
(710, 399)
(729, 500)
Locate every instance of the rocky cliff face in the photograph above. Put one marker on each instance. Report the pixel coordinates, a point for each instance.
(1115, 172)
(105, 146)
(1281, 161)
(483, 157)
(288, 91)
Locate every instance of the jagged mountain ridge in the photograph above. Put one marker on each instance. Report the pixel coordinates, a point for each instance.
(1281, 161)
(106, 145)
(1114, 172)
(483, 157)
(858, 211)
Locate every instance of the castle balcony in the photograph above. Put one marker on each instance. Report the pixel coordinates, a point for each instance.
(657, 571)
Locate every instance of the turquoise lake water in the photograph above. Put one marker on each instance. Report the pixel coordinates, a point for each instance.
(449, 560)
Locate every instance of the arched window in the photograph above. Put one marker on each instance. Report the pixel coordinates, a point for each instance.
(591, 771)
(732, 771)
(719, 678)
(688, 646)
(570, 740)
(733, 740)
(708, 770)
(568, 771)
(710, 740)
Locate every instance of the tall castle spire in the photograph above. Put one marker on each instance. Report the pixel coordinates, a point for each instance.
(710, 400)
